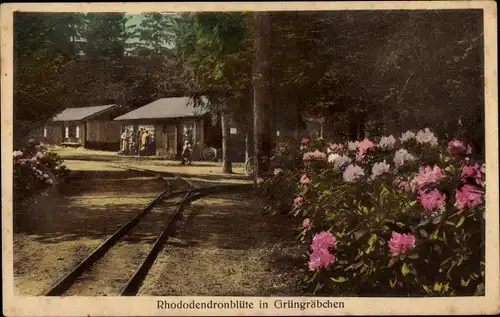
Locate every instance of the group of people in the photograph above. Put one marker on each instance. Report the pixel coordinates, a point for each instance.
(140, 143)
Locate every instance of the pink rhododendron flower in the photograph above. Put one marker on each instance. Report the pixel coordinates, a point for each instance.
(432, 200)
(39, 155)
(472, 172)
(426, 176)
(323, 240)
(335, 146)
(468, 197)
(298, 201)
(306, 223)
(403, 184)
(401, 243)
(304, 179)
(305, 140)
(363, 147)
(320, 259)
(316, 155)
(456, 147)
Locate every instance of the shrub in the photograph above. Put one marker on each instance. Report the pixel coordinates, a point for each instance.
(406, 217)
(35, 169)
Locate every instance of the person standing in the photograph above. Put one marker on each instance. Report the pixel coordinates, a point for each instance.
(138, 138)
(124, 141)
(144, 142)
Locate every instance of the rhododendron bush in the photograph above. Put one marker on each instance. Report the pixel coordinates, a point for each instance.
(35, 168)
(392, 215)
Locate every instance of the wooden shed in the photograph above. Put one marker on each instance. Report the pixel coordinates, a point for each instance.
(168, 120)
(90, 127)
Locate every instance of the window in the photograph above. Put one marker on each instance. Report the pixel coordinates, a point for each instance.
(77, 132)
(44, 132)
(66, 132)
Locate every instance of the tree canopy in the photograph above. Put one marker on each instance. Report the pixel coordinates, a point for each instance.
(367, 71)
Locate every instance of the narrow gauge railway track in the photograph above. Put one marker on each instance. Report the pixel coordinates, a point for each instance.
(113, 268)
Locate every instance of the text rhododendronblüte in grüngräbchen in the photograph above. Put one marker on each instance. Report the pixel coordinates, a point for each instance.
(407, 136)
(426, 137)
(400, 243)
(426, 176)
(468, 197)
(387, 142)
(432, 200)
(401, 156)
(352, 173)
(379, 169)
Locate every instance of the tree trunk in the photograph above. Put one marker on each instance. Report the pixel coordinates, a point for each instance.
(262, 93)
(226, 160)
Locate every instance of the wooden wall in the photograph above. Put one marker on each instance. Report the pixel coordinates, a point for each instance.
(102, 135)
(103, 131)
(165, 137)
(53, 134)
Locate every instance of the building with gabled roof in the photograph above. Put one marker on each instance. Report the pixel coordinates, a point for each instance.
(89, 127)
(170, 121)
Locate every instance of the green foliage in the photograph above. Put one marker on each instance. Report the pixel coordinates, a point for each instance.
(448, 256)
(35, 169)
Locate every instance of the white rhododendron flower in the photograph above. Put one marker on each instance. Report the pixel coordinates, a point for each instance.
(426, 136)
(352, 173)
(340, 161)
(379, 169)
(352, 146)
(408, 135)
(332, 157)
(387, 142)
(401, 156)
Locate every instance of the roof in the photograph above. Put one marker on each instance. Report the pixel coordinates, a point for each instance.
(76, 114)
(163, 108)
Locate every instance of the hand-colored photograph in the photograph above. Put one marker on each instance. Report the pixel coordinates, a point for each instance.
(283, 153)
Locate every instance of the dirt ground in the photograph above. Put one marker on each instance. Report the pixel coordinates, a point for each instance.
(225, 246)
(59, 229)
